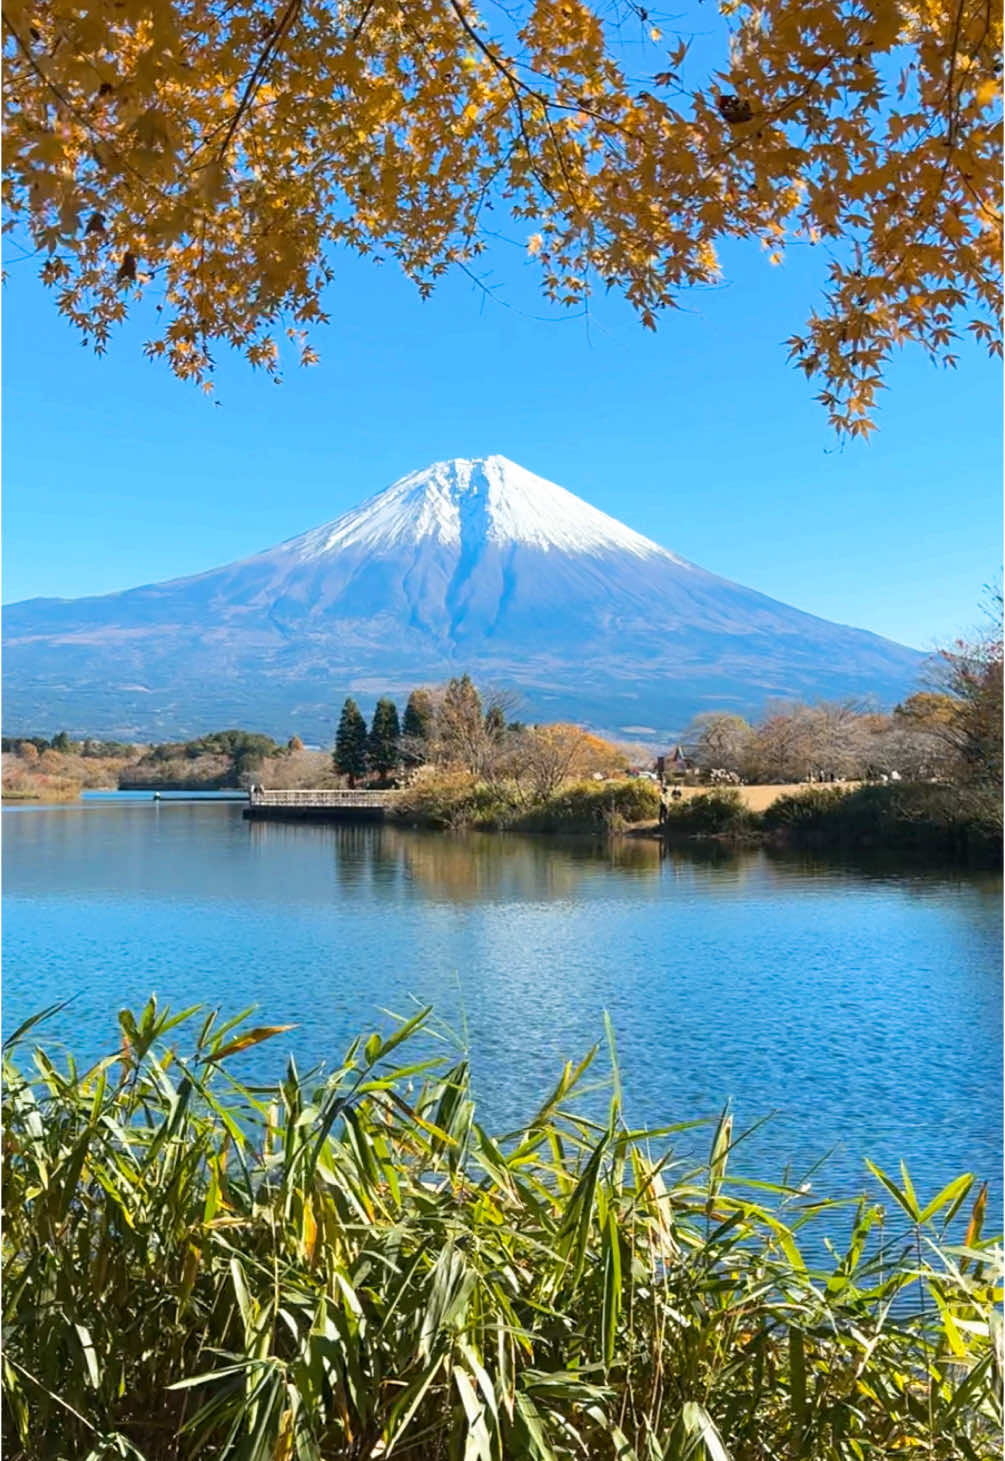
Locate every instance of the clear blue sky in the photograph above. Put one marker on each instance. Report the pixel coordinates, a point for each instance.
(701, 436)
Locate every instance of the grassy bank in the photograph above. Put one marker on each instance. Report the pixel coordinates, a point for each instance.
(913, 819)
(353, 1268)
(461, 801)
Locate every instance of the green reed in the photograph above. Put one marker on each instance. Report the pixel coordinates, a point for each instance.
(351, 1266)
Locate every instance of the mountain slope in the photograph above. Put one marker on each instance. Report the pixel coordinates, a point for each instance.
(468, 565)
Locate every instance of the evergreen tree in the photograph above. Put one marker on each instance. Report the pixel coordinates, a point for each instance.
(350, 742)
(417, 728)
(419, 714)
(382, 747)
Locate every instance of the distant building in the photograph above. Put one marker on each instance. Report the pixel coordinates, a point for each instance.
(674, 763)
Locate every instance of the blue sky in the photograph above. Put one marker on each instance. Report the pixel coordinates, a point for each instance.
(700, 436)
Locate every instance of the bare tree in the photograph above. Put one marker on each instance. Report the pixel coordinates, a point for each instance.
(719, 740)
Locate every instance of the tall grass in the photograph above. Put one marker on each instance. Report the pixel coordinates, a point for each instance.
(352, 1266)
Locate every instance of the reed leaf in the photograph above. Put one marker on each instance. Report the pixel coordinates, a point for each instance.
(345, 1269)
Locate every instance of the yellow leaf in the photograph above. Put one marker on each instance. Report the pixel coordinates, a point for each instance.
(284, 1440)
(252, 1037)
(310, 1230)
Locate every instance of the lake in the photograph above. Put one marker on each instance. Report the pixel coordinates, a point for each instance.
(860, 1010)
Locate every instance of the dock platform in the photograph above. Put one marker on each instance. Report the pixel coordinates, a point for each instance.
(318, 806)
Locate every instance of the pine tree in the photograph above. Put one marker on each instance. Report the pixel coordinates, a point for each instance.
(382, 746)
(350, 742)
(418, 728)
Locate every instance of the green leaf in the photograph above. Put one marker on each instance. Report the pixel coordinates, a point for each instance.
(700, 1430)
(797, 1390)
(612, 1286)
(31, 1022)
(954, 1191)
(903, 1199)
(403, 1032)
(720, 1152)
(90, 1355)
(536, 1442)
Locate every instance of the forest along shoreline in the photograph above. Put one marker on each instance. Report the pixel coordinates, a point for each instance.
(923, 781)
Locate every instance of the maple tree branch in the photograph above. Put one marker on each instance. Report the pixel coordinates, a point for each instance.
(951, 100)
(358, 28)
(78, 116)
(259, 71)
(515, 84)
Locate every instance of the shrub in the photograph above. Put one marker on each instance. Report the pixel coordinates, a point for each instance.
(916, 817)
(24, 786)
(457, 800)
(592, 806)
(351, 1268)
(710, 814)
(809, 808)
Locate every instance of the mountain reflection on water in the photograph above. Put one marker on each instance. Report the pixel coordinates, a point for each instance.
(861, 1005)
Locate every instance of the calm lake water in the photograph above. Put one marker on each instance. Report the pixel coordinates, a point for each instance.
(863, 1009)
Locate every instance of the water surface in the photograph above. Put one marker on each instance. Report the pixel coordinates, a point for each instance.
(862, 1008)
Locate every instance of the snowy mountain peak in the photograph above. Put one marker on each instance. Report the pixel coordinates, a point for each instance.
(485, 499)
(475, 566)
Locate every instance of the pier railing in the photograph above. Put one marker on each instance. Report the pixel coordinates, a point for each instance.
(260, 797)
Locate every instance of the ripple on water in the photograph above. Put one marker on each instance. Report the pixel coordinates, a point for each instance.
(862, 1007)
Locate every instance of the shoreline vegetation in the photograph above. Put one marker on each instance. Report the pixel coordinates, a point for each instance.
(916, 820)
(348, 1264)
(923, 780)
(911, 820)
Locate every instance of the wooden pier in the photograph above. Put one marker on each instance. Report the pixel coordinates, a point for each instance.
(318, 806)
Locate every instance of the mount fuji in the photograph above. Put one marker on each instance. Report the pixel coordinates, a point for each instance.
(466, 565)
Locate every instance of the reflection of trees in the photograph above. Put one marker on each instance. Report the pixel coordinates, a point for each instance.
(359, 850)
(485, 866)
(635, 855)
(708, 854)
(474, 866)
(480, 865)
(874, 865)
(471, 867)
(359, 854)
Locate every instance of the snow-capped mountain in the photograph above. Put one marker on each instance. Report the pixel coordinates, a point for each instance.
(491, 499)
(466, 565)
